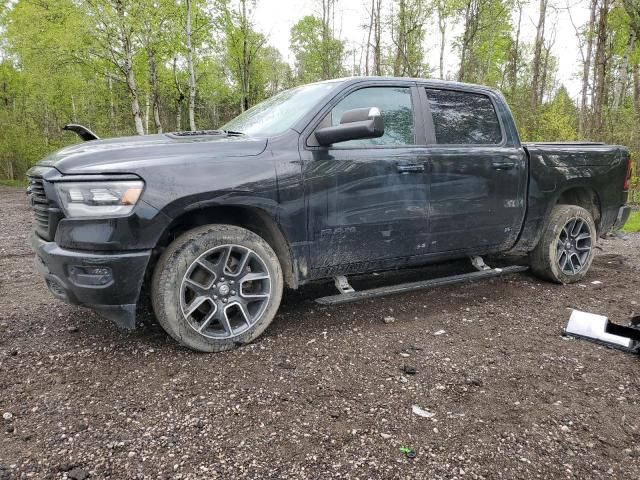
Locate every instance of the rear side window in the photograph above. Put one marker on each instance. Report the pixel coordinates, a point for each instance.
(463, 118)
(394, 104)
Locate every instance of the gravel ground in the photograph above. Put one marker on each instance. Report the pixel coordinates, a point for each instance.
(323, 393)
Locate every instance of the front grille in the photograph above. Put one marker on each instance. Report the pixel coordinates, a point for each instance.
(39, 205)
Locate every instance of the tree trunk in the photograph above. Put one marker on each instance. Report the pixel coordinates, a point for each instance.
(325, 37)
(112, 112)
(377, 48)
(180, 97)
(133, 92)
(245, 58)
(636, 102)
(442, 27)
(192, 74)
(147, 107)
(622, 84)
(537, 55)
(601, 64)
(46, 122)
(398, 65)
(74, 113)
(633, 11)
(327, 34)
(543, 77)
(127, 68)
(515, 58)
(466, 39)
(155, 89)
(10, 172)
(586, 71)
(368, 47)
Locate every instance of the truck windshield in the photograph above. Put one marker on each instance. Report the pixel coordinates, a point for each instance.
(280, 112)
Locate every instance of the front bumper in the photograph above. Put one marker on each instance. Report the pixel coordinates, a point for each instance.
(623, 215)
(108, 283)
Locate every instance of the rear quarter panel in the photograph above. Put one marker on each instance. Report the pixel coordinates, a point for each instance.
(557, 168)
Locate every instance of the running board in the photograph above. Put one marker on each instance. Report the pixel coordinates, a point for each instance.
(421, 285)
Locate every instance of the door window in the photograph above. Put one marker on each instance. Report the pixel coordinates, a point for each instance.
(463, 118)
(395, 105)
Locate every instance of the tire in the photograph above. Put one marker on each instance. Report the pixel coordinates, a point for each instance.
(566, 249)
(216, 287)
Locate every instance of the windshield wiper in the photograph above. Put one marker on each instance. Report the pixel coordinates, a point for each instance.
(234, 133)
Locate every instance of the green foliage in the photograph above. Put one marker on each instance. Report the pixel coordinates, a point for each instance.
(486, 41)
(257, 70)
(633, 224)
(556, 120)
(14, 183)
(319, 56)
(408, 33)
(62, 61)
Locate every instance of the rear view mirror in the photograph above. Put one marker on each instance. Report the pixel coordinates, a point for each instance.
(356, 124)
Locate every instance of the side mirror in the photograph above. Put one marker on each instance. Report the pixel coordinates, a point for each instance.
(356, 124)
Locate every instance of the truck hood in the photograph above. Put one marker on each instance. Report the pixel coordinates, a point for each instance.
(130, 154)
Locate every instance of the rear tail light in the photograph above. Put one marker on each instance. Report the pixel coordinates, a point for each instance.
(627, 178)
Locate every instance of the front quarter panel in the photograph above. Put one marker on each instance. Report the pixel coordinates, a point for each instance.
(243, 180)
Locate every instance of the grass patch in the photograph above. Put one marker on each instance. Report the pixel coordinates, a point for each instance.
(633, 224)
(13, 183)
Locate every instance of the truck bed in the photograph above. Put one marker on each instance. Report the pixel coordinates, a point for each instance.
(571, 154)
(573, 172)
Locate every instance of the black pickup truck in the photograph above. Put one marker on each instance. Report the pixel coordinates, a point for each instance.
(326, 180)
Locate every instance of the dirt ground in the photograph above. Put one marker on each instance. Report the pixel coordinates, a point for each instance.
(323, 393)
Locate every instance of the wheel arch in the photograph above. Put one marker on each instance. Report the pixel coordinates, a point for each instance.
(582, 196)
(255, 219)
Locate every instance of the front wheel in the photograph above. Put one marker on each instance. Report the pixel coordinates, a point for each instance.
(565, 250)
(217, 287)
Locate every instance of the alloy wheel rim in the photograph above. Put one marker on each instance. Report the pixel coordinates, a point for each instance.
(225, 291)
(574, 246)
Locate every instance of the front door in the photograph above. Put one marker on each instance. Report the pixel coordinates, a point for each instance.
(478, 175)
(367, 200)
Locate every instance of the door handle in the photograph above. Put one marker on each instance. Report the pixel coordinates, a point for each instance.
(410, 168)
(503, 165)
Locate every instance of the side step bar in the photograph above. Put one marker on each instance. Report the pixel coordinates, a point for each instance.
(420, 285)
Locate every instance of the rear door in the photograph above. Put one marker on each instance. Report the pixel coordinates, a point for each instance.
(367, 200)
(478, 173)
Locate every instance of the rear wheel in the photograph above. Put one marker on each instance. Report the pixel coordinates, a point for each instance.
(217, 287)
(565, 250)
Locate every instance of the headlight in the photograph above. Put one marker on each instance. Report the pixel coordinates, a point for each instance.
(99, 199)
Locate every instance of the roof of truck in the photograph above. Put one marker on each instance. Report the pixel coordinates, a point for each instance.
(430, 81)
